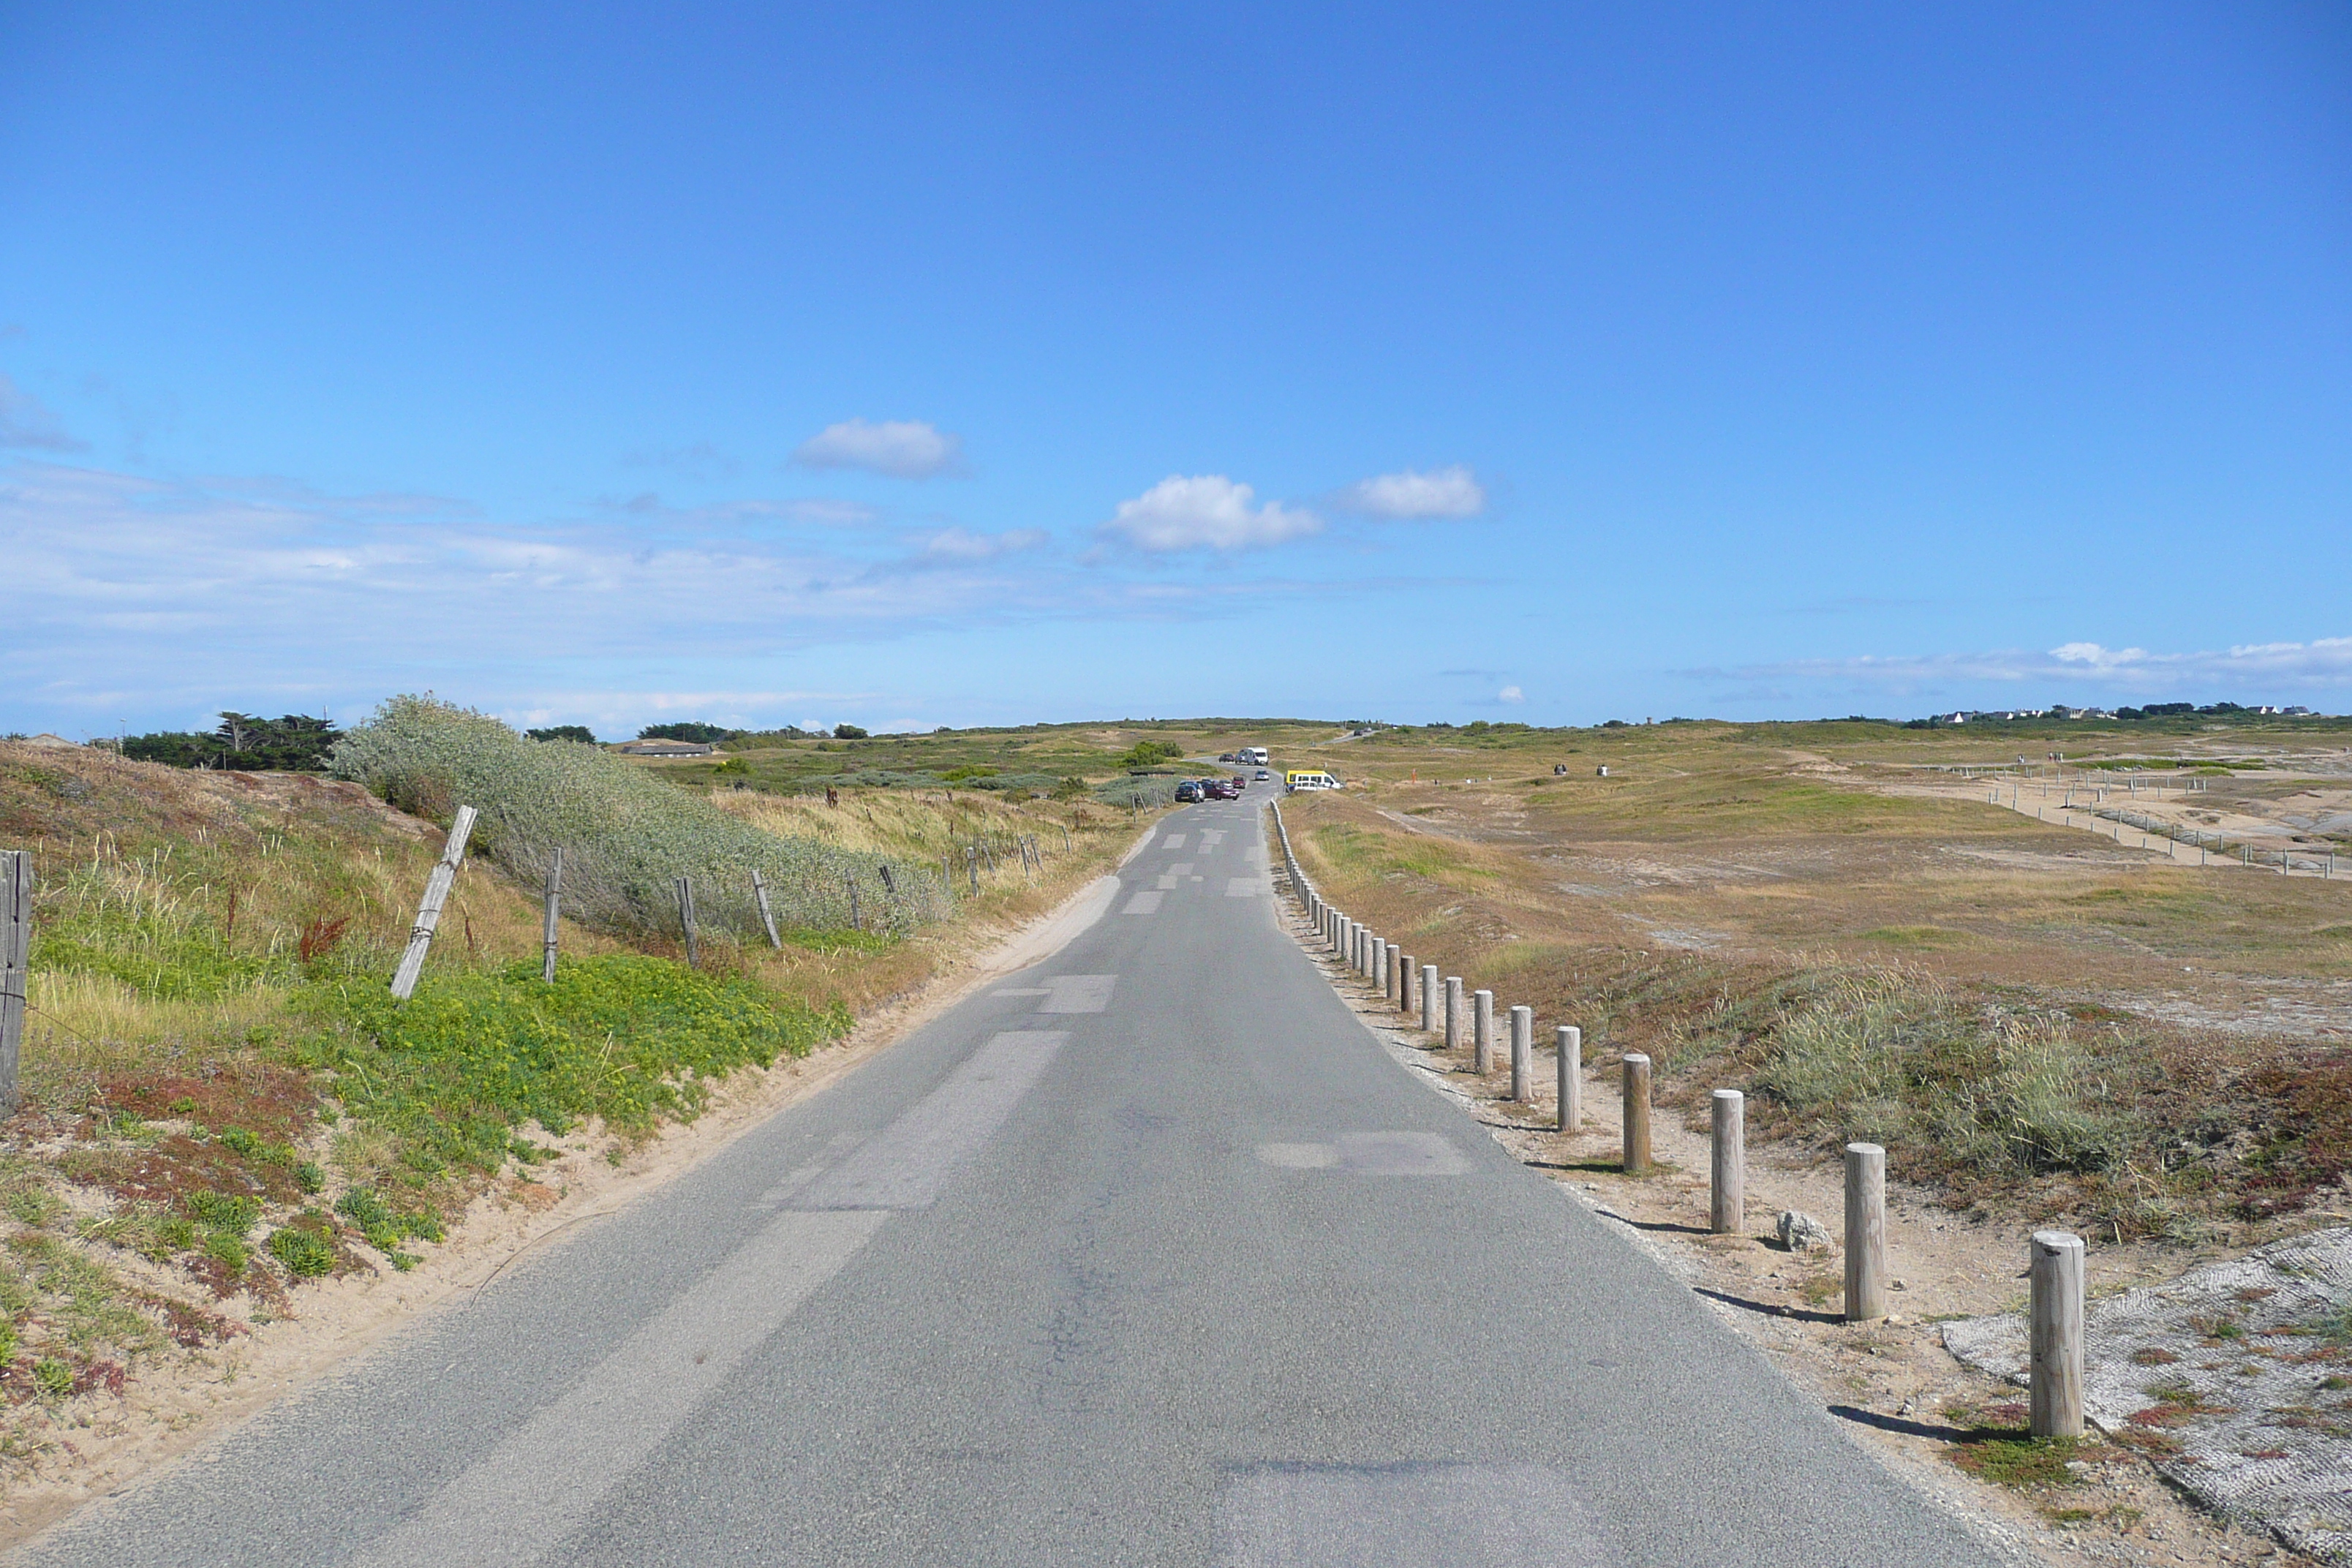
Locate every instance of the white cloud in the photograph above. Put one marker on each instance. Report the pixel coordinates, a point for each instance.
(24, 422)
(963, 545)
(1510, 694)
(2127, 671)
(1206, 510)
(900, 449)
(1453, 491)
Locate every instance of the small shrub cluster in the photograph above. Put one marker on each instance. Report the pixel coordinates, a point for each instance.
(626, 835)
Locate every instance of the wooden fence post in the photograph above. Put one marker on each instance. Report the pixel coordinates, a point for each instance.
(1727, 1197)
(1568, 1044)
(2055, 1335)
(767, 912)
(686, 918)
(428, 911)
(548, 935)
(1865, 1233)
(16, 946)
(1636, 1137)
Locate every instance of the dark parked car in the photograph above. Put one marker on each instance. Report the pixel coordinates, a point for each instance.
(1188, 790)
(1218, 789)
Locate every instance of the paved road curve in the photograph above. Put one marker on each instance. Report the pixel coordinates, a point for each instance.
(1151, 1256)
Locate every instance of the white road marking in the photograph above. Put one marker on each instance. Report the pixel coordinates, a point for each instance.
(1167, 878)
(1372, 1154)
(1243, 887)
(1386, 1516)
(520, 1499)
(1144, 903)
(1022, 991)
(1181, 869)
(1079, 992)
(1174, 841)
(905, 1165)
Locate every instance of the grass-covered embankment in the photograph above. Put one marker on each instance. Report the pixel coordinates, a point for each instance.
(223, 1102)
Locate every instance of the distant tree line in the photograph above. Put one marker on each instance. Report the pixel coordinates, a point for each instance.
(244, 741)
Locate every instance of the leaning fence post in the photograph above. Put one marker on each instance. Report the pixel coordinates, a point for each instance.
(1865, 1232)
(1728, 1198)
(15, 945)
(428, 910)
(1636, 1149)
(555, 910)
(1568, 1043)
(1482, 1032)
(1457, 1012)
(2056, 1335)
(686, 916)
(1523, 1045)
(766, 914)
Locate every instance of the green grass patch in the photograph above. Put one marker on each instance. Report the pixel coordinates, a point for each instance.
(472, 1057)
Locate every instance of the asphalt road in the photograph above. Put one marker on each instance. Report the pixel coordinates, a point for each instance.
(1153, 1255)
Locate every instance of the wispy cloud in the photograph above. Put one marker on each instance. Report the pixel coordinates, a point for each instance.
(899, 448)
(2077, 666)
(1204, 511)
(1510, 694)
(26, 425)
(1448, 492)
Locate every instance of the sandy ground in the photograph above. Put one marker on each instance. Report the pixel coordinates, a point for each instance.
(2299, 822)
(1889, 1383)
(170, 1409)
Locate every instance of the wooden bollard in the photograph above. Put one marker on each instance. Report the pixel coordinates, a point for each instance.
(1457, 1012)
(1430, 990)
(1482, 1032)
(1567, 1046)
(1727, 1199)
(1408, 984)
(1637, 1115)
(1865, 1233)
(2056, 1329)
(1523, 1050)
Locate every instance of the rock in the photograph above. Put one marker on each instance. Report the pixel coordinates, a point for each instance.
(1803, 1233)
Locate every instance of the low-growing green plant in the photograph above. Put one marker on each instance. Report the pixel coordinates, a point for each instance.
(473, 1057)
(305, 1253)
(232, 1214)
(53, 1375)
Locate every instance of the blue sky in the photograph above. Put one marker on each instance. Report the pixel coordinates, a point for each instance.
(937, 366)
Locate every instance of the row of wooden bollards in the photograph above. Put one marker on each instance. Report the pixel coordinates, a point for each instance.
(1441, 1008)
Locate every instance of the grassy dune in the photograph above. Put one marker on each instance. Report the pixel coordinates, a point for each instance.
(222, 1100)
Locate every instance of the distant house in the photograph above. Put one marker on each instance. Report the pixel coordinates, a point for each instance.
(666, 748)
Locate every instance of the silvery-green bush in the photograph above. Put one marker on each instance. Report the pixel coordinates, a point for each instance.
(625, 835)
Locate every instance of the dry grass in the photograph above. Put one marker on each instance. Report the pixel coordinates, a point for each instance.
(2024, 1013)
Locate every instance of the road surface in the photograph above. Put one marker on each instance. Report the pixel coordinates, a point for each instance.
(1150, 1254)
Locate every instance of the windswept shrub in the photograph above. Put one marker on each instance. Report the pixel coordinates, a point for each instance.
(626, 834)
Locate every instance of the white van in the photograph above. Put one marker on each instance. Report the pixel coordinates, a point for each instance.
(1255, 756)
(1297, 779)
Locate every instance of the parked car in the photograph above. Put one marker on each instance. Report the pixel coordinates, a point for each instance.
(1224, 756)
(1188, 791)
(1218, 789)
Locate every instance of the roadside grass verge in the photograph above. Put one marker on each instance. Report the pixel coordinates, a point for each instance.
(222, 1101)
